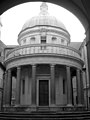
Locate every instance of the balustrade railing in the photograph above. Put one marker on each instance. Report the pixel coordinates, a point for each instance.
(43, 49)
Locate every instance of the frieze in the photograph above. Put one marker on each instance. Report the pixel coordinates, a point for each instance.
(44, 60)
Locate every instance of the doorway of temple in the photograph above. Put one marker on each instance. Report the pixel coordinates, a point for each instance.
(43, 93)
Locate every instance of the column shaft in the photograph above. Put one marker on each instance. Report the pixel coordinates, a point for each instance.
(33, 84)
(78, 87)
(69, 86)
(9, 88)
(52, 86)
(82, 92)
(18, 85)
(4, 88)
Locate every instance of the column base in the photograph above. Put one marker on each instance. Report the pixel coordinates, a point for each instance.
(52, 105)
(17, 105)
(6, 105)
(69, 105)
(80, 105)
(33, 107)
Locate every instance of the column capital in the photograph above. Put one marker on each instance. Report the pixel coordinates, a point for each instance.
(9, 70)
(18, 67)
(81, 71)
(33, 69)
(68, 66)
(78, 69)
(52, 65)
(34, 65)
(5, 72)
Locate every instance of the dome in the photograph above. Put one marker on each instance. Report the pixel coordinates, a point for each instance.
(43, 19)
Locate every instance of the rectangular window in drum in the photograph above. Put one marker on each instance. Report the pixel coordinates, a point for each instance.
(43, 39)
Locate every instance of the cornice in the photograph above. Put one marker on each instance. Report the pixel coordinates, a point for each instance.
(42, 55)
(46, 27)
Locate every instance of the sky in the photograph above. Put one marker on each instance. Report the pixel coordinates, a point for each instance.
(14, 18)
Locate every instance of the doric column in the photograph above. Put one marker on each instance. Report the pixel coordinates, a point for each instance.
(9, 88)
(18, 85)
(52, 84)
(33, 84)
(82, 92)
(78, 81)
(4, 88)
(69, 87)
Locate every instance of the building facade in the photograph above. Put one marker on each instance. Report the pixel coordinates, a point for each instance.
(44, 68)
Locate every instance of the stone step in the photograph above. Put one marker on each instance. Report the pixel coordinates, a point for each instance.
(45, 116)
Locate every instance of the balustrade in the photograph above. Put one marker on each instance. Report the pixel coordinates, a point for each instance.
(43, 48)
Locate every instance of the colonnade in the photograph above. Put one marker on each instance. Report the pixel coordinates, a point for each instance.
(8, 86)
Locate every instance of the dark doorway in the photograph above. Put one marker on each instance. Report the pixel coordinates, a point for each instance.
(43, 92)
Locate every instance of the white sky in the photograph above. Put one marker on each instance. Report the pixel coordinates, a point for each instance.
(14, 18)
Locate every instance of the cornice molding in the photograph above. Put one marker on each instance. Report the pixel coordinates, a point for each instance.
(65, 58)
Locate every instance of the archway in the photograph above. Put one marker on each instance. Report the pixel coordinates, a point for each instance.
(68, 4)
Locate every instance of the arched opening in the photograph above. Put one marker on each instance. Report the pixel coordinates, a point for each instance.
(61, 48)
(14, 19)
(70, 5)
